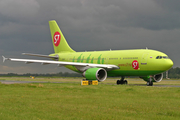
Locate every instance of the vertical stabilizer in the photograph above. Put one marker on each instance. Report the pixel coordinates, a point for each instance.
(59, 42)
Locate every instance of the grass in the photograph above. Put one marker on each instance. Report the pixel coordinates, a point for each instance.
(78, 80)
(44, 101)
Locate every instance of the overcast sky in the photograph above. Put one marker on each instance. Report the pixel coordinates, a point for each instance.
(87, 25)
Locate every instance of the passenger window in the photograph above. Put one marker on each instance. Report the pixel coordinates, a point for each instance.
(160, 57)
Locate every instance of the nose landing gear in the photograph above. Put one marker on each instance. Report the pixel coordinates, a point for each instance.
(150, 83)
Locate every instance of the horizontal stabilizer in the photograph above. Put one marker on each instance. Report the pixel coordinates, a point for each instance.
(4, 59)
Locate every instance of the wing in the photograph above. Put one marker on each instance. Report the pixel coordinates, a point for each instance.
(39, 55)
(79, 66)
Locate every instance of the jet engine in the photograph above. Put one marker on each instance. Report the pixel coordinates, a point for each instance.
(99, 74)
(158, 77)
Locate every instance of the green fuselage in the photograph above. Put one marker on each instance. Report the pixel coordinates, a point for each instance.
(138, 62)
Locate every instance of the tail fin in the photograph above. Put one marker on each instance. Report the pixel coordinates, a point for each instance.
(59, 42)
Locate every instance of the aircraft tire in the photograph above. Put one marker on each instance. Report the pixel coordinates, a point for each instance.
(118, 82)
(149, 83)
(125, 82)
(122, 82)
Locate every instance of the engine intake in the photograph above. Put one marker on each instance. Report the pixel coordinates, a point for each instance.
(99, 74)
(158, 77)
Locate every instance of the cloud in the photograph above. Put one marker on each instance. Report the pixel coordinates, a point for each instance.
(19, 9)
(96, 24)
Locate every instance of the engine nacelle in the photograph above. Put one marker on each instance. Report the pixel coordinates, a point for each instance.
(99, 74)
(155, 78)
(158, 77)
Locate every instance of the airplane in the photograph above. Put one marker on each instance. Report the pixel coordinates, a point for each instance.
(97, 65)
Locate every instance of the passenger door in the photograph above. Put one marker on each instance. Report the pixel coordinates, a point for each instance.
(144, 59)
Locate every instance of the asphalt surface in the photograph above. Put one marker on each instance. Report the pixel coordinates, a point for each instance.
(18, 82)
(21, 82)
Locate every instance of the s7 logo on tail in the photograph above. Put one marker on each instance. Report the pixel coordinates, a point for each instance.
(57, 38)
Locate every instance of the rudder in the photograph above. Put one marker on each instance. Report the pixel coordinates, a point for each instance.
(59, 42)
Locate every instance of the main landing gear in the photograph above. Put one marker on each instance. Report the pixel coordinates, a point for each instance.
(122, 81)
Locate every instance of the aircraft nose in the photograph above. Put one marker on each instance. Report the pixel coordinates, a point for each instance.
(169, 64)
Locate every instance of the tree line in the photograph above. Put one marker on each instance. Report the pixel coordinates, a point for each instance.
(60, 74)
(172, 73)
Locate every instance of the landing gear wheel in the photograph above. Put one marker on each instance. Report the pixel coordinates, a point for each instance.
(125, 82)
(149, 83)
(118, 82)
(122, 81)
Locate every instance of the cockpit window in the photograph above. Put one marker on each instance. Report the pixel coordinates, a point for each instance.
(157, 57)
(162, 57)
(165, 57)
